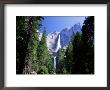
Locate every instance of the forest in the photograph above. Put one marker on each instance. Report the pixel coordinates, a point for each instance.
(33, 56)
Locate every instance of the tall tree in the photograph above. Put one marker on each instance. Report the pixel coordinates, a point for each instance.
(83, 51)
(26, 40)
(60, 61)
(76, 67)
(31, 58)
(22, 39)
(50, 63)
(42, 52)
(88, 44)
(69, 62)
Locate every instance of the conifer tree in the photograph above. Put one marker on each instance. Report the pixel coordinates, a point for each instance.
(50, 63)
(69, 62)
(83, 51)
(42, 52)
(32, 46)
(88, 45)
(26, 42)
(60, 62)
(21, 45)
(77, 58)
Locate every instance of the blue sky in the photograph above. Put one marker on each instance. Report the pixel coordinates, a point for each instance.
(57, 23)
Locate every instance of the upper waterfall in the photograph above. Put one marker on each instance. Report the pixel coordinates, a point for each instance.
(58, 44)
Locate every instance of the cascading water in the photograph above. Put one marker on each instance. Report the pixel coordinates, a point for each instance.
(58, 44)
(54, 61)
(56, 50)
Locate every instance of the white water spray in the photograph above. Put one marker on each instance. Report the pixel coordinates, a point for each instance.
(58, 44)
(54, 61)
(56, 50)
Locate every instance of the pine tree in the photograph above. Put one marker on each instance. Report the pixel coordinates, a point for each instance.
(69, 62)
(60, 62)
(20, 43)
(31, 58)
(26, 42)
(88, 44)
(42, 53)
(32, 45)
(76, 67)
(23, 33)
(50, 63)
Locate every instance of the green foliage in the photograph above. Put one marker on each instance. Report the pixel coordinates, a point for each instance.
(83, 51)
(50, 64)
(42, 50)
(69, 58)
(80, 53)
(26, 41)
(32, 46)
(88, 44)
(22, 39)
(77, 53)
(60, 61)
(43, 70)
(44, 57)
(33, 55)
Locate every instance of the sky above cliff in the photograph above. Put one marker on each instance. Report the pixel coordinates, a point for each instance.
(57, 23)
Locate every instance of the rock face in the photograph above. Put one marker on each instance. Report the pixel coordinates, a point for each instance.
(77, 27)
(52, 39)
(61, 39)
(66, 34)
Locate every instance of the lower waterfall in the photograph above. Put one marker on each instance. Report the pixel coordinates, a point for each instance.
(55, 62)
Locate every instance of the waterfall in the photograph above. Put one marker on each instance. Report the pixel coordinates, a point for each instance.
(56, 50)
(54, 61)
(58, 44)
